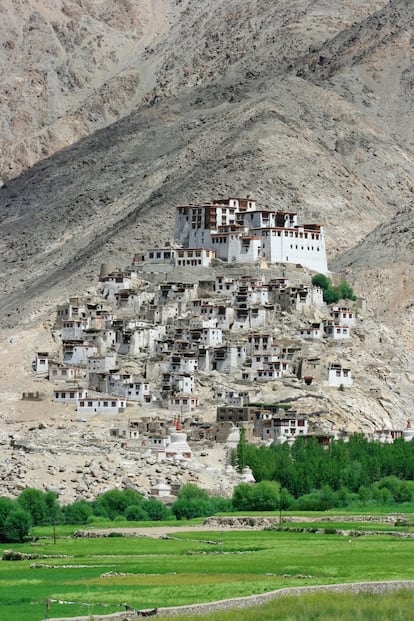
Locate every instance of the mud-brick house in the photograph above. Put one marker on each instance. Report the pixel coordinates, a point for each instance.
(264, 359)
(182, 363)
(160, 314)
(101, 364)
(74, 309)
(129, 386)
(115, 282)
(128, 431)
(194, 257)
(69, 395)
(339, 375)
(343, 315)
(134, 340)
(249, 317)
(223, 285)
(60, 373)
(183, 402)
(106, 405)
(336, 331)
(235, 414)
(208, 337)
(310, 368)
(78, 353)
(74, 329)
(177, 383)
(312, 331)
(42, 362)
(280, 426)
(297, 298)
(272, 371)
(236, 398)
(176, 292)
(228, 357)
(262, 342)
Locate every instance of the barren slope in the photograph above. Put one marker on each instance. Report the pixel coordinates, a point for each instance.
(275, 123)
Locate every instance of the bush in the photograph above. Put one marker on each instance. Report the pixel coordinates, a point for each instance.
(17, 526)
(195, 507)
(156, 510)
(77, 513)
(136, 513)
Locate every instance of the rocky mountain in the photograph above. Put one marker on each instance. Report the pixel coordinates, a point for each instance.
(112, 113)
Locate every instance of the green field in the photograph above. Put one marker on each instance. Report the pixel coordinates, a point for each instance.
(193, 567)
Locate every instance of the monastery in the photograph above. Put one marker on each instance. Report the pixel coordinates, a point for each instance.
(209, 327)
(238, 232)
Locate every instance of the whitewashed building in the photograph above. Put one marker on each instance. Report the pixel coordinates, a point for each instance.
(106, 405)
(339, 375)
(69, 395)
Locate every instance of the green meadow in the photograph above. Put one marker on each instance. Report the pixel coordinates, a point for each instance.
(191, 567)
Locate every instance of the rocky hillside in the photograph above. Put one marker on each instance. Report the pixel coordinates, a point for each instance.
(307, 106)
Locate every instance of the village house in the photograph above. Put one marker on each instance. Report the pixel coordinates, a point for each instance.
(339, 375)
(334, 330)
(64, 374)
(115, 282)
(343, 315)
(78, 353)
(101, 364)
(42, 360)
(177, 383)
(183, 402)
(106, 405)
(73, 329)
(127, 385)
(74, 309)
(280, 426)
(69, 395)
(272, 371)
(312, 331)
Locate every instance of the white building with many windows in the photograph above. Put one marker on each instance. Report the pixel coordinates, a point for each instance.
(238, 232)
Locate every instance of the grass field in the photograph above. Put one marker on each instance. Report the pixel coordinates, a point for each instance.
(194, 567)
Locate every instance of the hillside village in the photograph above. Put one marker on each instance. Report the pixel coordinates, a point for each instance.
(218, 329)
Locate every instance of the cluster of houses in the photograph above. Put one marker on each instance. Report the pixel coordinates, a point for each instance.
(178, 313)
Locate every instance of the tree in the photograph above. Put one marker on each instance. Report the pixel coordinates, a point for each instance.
(156, 510)
(320, 280)
(33, 501)
(136, 513)
(7, 505)
(265, 496)
(243, 497)
(77, 513)
(17, 526)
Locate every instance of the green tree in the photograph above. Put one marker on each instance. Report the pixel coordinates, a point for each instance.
(156, 510)
(77, 513)
(7, 505)
(17, 526)
(243, 496)
(320, 280)
(136, 513)
(34, 502)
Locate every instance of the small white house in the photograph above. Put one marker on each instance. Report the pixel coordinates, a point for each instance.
(101, 364)
(64, 374)
(343, 315)
(101, 406)
(42, 362)
(312, 331)
(69, 395)
(335, 331)
(339, 375)
(184, 402)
